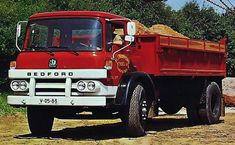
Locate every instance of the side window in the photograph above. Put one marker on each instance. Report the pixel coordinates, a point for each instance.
(114, 35)
(117, 34)
(56, 38)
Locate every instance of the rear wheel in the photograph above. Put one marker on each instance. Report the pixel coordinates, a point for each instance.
(136, 116)
(206, 109)
(40, 120)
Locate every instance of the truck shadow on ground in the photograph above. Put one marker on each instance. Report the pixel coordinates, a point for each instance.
(110, 131)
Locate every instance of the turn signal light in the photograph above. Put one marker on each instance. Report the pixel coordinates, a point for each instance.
(12, 64)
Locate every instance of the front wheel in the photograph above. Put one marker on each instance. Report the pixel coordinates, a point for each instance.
(135, 119)
(40, 120)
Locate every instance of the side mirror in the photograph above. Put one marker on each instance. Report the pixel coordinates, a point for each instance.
(18, 29)
(131, 28)
(129, 38)
(18, 32)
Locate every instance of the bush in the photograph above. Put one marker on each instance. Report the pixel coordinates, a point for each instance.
(6, 109)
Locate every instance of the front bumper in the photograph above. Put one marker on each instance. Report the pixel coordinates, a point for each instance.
(56, 101)
(58, 87)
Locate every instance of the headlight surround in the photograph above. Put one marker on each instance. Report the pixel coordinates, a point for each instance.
(88, 86)
(23, 85)
(91, 85)
(19, 85)
(81, 86)
(15, 85)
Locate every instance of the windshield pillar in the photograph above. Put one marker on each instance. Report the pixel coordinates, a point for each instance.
(50, 36)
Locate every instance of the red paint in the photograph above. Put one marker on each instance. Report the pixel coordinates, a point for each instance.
(174, 56)
(65, 60)
(74, 14)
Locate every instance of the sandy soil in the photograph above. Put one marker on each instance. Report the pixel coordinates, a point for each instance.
(162, 130)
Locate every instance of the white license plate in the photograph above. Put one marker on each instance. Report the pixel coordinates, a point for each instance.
(48, 101)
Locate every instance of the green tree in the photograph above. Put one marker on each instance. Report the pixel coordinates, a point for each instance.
(11, 12)
(148, 12)
(227, 23)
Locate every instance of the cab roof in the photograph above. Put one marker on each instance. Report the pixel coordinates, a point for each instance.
(65, 14)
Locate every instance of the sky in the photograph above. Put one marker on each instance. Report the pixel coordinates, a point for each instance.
(177, 4)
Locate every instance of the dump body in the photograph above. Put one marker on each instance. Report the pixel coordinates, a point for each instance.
(171, 56)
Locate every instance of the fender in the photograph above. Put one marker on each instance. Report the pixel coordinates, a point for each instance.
(127, 84)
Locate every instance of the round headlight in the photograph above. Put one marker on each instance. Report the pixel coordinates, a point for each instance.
(91, 86)
(81, 86)
(15, 85)
(23, 85)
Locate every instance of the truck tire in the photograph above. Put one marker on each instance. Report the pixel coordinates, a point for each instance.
(135, 119)
(40, 120)
(208, 109)
(169, 107)
(210, 113)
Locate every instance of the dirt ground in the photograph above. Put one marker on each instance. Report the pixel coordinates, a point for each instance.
(162, 130)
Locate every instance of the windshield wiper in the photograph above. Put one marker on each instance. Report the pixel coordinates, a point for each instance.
(57, 47)
(34, 48)
(52, 49)
(41, 49)
(74, 51)
(64, 48)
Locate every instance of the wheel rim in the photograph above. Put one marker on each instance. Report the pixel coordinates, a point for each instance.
(143, 108)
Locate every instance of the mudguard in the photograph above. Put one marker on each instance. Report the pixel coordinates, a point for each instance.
(127, 84)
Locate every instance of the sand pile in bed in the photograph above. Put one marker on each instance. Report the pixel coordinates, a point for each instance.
(157, 29)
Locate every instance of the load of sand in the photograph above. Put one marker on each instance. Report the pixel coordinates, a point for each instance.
(141, 28)
(157, 29)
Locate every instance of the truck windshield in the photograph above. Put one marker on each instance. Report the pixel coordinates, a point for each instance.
(64, 34)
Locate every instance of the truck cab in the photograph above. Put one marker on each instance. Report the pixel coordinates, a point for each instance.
(69, 55)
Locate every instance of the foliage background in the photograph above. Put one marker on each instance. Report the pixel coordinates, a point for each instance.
(193, 21)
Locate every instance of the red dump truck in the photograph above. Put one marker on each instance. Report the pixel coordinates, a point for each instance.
(75, 61)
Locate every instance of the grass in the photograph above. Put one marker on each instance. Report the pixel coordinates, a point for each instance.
(6, 109)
